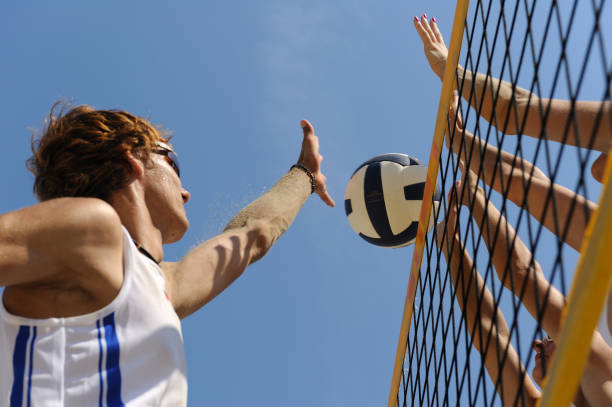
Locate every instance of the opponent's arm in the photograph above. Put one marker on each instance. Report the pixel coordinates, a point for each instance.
(212, 266)
(506, 107)
(596, 382)
(485, 322)
(511, 258)
(522, 182)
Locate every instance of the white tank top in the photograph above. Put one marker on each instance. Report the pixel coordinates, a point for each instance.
(129, 353)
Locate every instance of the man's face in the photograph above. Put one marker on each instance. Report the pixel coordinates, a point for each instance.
(165, 194)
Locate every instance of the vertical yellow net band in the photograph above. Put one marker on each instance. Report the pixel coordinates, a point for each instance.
(448, 84)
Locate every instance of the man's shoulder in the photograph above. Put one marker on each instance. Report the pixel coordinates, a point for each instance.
(83, 224)
(80, 210)
(88, 216)
(59, 229)
(71, 246)
(66, 218)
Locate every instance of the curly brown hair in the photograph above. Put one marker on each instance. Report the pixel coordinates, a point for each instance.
(81, 152)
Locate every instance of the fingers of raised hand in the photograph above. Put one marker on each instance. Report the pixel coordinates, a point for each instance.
(307, 127)
(321, 190)
(454, 113)
(320, 180)
(429, 28)
(312, 159)
(310, 145)
(423, 33)
(436, 31)
(424, 21)
(468, 185)
(450, 221)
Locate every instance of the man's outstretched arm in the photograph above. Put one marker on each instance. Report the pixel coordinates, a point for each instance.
(212, 266)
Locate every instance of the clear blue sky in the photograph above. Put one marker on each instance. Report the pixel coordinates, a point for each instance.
(316, 322)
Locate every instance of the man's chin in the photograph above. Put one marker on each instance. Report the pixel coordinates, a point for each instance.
(178, 233)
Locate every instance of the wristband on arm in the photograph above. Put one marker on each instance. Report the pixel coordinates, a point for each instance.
(307, 171)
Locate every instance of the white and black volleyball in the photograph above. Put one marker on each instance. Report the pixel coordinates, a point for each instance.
(383, 199)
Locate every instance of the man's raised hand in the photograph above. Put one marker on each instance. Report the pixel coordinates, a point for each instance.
(310, 157)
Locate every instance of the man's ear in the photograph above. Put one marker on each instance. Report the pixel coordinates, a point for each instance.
(135, 166)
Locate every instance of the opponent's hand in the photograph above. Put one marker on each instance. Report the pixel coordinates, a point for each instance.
(310, 157)
(544, 352)
(468, 187)
(433, 44)
(453, 140)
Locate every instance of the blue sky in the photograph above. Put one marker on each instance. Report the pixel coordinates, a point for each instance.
(316, 321)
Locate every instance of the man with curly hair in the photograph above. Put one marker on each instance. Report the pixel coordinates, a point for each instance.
(90, 312)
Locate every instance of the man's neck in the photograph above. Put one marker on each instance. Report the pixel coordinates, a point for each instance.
(130, 204)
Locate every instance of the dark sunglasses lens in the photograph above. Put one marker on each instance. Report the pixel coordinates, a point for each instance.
(174, 162)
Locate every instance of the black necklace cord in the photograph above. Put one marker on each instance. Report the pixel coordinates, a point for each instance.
(144, 251)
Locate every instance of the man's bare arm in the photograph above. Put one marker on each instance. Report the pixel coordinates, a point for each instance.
(39, 241)
(60, 258)
(212, 266)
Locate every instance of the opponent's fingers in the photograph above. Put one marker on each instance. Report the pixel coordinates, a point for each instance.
(462, 167)
(436, 31)
(424, 19)
(451, 195)
(426, 26)
(451, 210)
(537, 345)
(454, 113)
(421, 31)
(452, 200)
(466, 185)
(549, 347)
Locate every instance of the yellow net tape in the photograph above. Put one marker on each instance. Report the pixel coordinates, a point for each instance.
(448, 84)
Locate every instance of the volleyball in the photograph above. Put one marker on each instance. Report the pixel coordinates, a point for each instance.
(383, 199)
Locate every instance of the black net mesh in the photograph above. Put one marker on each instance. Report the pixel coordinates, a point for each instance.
(554, 50)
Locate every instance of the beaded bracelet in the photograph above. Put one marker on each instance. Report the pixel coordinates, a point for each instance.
(307, 171)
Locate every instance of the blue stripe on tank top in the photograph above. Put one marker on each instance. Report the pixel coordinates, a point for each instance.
(113, 371)
(19, 358)
(31, 365)
(101, 350)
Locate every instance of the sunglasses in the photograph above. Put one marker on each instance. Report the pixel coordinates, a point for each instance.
(172, 158)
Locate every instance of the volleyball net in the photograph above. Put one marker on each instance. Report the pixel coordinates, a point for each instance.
(522, 248)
